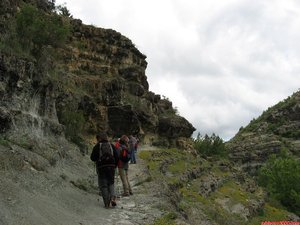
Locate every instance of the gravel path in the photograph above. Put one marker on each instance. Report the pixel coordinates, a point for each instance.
(35, 197)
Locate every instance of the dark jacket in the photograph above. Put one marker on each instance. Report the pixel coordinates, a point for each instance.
(96, 151)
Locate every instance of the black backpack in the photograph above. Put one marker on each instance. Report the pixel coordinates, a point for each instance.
(124, 154)
(106, 155)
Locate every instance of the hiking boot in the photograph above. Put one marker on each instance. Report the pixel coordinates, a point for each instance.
(125, 194)
(130, 192)
(113, 202)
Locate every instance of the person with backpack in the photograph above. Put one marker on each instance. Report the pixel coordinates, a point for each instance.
(106, 158)
(124, 156)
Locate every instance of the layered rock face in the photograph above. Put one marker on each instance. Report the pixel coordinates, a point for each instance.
(108, 77)
(276, 130)
(99, 74)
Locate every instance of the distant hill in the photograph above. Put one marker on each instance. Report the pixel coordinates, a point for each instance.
(276, 130)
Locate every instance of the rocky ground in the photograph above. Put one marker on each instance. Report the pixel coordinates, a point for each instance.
(32, 197)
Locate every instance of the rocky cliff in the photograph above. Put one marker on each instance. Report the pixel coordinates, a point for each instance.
(96, 81)
(276, 130)
(108, 74)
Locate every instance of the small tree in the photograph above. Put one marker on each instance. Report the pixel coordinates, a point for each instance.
(36, 29)
(63, 10)
(210, 145)
(281, 178)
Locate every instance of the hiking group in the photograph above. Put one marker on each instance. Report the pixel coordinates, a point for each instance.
(109, 157)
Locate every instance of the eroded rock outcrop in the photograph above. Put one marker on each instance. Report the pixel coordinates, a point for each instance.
(99, 74)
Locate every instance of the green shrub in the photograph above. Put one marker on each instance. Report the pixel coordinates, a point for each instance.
(35, 29)
(74, 122)
(210, 145)
(292, 134)
(63, 11)
(281, 178)
(9, 42)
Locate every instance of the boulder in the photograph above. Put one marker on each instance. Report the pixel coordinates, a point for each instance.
(174, 127)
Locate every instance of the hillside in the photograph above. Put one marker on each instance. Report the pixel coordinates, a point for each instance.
(276, 130)
(256, 181)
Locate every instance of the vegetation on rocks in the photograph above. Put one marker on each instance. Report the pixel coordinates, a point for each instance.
(33, 31)
(168, 219)
(210, 145)
(211, 191)
(36, 30)
(74, 122)
(281, 178)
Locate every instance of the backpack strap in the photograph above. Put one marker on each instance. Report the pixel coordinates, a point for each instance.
(112, 152)
(100, 152)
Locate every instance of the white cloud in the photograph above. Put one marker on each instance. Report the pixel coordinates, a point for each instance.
(220, 62)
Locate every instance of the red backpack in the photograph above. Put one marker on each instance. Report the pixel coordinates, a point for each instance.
(124, 154)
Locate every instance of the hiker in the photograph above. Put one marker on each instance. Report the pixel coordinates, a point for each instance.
(106, 158)
(117, 143)
(132, 146)
(123, 166)
(137, 144)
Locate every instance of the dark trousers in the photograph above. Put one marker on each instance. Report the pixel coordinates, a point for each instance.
(106, 180)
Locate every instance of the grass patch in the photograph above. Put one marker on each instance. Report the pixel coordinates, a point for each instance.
(178, 167)
(4, 142)
(168, 219)
(145, 155)
(191, 195)
(269, 213)
(234, 191)
(191, 200)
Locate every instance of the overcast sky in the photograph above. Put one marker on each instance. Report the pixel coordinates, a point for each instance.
(221, 62)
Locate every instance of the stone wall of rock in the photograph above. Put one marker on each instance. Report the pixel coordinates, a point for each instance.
(99, 73)
(109, 72)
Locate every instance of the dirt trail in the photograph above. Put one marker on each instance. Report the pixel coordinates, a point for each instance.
(142, 206)
(38, 198)
(139, 208)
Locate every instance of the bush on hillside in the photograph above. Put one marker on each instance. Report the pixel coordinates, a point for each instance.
(281, 178)
(210, 145)
(74, 122)
(35, 29)
(63, 11)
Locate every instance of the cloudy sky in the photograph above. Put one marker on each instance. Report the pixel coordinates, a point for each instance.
(221, 62)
